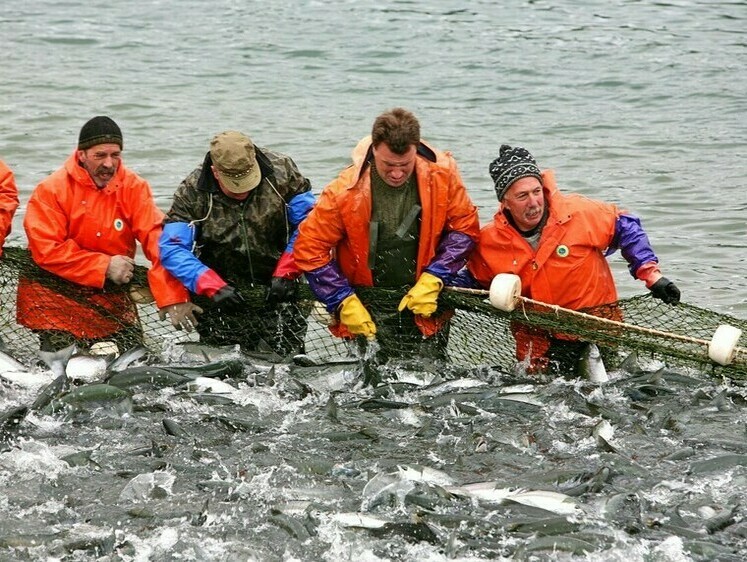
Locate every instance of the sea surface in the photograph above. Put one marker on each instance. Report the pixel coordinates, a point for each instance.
(642, 104)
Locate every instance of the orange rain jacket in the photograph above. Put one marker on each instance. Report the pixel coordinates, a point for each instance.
(568, 268)
(8, 202)
(340, 219)
(73, 229)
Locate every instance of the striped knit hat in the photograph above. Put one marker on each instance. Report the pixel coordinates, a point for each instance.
(511, 165)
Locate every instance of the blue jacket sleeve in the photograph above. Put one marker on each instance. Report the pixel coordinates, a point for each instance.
(329, 285)
(632, 242)
(298, 208)
(175, 247)
(451, 255)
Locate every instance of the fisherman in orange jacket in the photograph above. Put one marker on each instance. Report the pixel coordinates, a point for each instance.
(400, 215)
(557, 244)
(82, 223)
(8, 202)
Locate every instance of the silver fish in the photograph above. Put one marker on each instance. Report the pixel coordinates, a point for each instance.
(591, 366)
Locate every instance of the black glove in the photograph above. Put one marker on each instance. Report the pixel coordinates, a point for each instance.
(665, 290)
(228, 296)
(281, 289)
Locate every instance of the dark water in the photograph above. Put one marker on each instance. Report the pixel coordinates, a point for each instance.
(637, 103)
(304, 463)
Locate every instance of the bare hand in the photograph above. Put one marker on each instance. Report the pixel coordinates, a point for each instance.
(182, 315)
(120, 269)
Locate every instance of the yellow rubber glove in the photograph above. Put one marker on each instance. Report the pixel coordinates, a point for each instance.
(421, 299)
(356, 318)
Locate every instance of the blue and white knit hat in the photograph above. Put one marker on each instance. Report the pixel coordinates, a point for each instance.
(511, 165)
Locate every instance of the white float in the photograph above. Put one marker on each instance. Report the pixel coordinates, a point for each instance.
(723, 344)
(505, 289)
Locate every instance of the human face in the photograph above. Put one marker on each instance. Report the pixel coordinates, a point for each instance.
(101, 161)
(394, 169)
(525, 200)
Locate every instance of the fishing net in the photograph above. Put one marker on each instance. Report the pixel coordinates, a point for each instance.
(477, 334)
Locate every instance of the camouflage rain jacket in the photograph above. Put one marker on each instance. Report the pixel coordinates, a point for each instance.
(241, 241)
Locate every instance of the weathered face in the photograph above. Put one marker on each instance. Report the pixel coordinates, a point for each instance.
(101, 161)
(526, 202)
(394, 169)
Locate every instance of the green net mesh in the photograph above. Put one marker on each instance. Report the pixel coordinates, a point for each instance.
(477, 334)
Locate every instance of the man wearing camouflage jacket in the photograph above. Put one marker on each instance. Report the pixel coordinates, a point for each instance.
(233, 223)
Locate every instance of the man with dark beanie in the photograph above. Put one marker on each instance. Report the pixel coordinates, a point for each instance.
(557, 244)
(82, 223)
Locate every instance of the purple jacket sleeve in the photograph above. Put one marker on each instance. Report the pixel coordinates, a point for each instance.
(463, 278)
(632, 242)
(329, 285)
(451, 255)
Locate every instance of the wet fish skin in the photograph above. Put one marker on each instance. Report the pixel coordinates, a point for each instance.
(547, 526)
(81, 458)
(623, 509)
(679, 454)
(556, 543)
(50, 392)
(209, 398)
(594, 483)
(224, 368)
(721, 520)
(87, 394)
(173, 428)
(412, 532)
(11, 419)
(126, 359)
(453, 385)
(57, 360)
(157, 377)
(381, 404)
(418, 473)
(591, 366)
(362, 433)
(199, 519)
(29, 540)
(15, 372)
(721, 462)
(291, 525)
(330, 409)
(86, 368)
(237, 424)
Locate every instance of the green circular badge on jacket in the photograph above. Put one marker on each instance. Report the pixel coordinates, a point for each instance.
(562, 251)
(118, 224)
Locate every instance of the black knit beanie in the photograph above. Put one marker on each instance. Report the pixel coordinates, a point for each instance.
(99, 130)
(512, 164)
